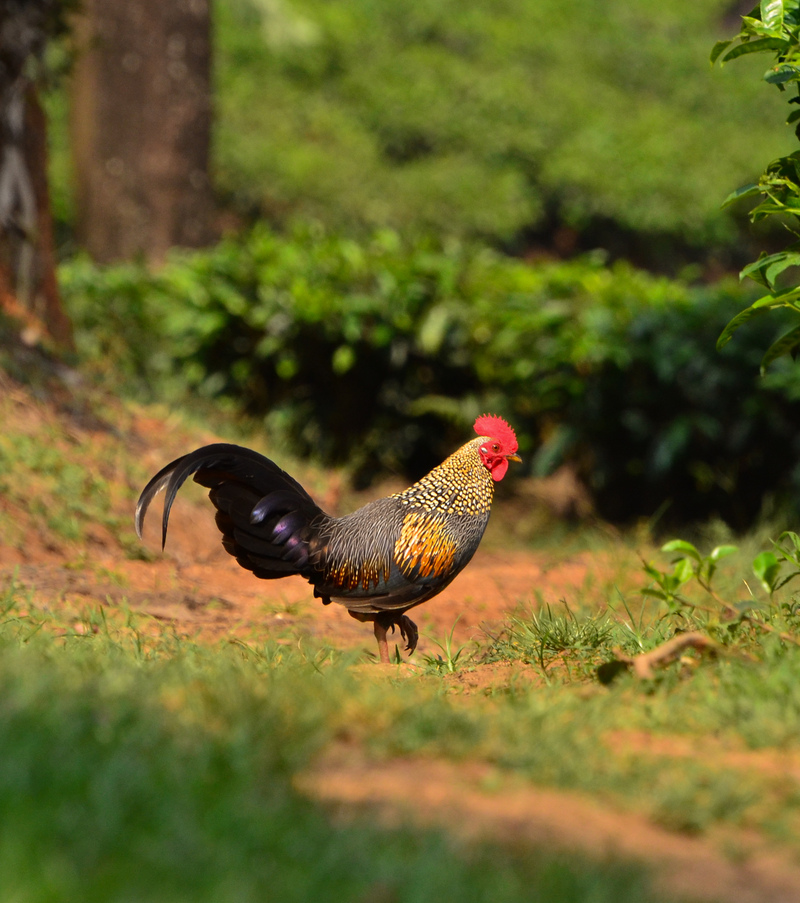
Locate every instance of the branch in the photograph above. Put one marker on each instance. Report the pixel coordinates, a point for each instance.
(644, 663)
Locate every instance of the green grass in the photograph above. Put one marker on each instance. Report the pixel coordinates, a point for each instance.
(66, 479)
(138, 766)
(134, 742)
(562, 737)
(545, 635)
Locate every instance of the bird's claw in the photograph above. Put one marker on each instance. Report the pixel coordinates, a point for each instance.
(408, 631)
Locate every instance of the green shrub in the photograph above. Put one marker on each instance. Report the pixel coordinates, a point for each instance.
(379, 354)
(680, 425)
(774, 28)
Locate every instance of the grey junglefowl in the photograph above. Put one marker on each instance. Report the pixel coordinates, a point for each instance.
(379, 561)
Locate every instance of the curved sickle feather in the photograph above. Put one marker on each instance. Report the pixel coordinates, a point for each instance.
(213, 464)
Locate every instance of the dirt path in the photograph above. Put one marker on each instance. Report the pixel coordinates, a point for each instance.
(199, 588)
(480, 803)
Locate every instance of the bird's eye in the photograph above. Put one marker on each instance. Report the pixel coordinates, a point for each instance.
(495, 447)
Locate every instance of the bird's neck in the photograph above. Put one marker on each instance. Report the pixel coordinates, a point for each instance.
(460, 485)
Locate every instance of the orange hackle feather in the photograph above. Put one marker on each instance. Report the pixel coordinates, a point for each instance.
(424, 547)
(496, 428)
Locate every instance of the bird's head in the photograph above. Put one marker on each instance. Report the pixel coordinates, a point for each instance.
(499, 445)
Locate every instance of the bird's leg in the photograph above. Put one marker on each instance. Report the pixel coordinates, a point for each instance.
(408, 631)
(380, 636)
(381, 623)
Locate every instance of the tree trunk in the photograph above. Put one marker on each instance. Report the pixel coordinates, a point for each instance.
(141, 127)
(28, 287)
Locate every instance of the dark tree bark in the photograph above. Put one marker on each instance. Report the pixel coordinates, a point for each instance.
(141, 126)
(28, 286)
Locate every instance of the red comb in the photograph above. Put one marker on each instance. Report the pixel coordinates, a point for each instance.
(496, 428)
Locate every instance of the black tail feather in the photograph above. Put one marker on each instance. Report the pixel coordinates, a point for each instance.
(262, 512)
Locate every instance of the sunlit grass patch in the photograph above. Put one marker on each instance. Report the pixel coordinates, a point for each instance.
(66, 480)
(555, 634)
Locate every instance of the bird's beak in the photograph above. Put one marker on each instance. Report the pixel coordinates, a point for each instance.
(514, 458)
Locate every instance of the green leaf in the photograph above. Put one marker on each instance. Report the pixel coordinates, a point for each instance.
(772, 14)
(768, 267)
(653, 572)
(680, 545)
(745, 191)
(717, 49)
(793, 538)
(755, 270)
(774, 269)
(784, 298)
(786, 344)
(721, 552)
(766, 567)
(758, 46)
(747, 314)
(752, 26)
(683, 571)
(781, 74)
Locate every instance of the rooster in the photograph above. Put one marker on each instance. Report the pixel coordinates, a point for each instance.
(379, 561)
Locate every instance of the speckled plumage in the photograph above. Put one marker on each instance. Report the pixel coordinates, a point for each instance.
(383, 559)
(460, 485)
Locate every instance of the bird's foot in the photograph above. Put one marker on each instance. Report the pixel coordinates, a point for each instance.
(408, 631)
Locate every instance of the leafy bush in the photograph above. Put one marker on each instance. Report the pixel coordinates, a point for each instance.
(379, 354)
(679, 424)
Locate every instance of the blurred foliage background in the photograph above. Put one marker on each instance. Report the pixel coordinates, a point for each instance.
(378, 355)
(499, 120)
(509, 121)
(433, 210)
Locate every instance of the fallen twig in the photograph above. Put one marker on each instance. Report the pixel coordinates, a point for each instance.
(643, 664)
